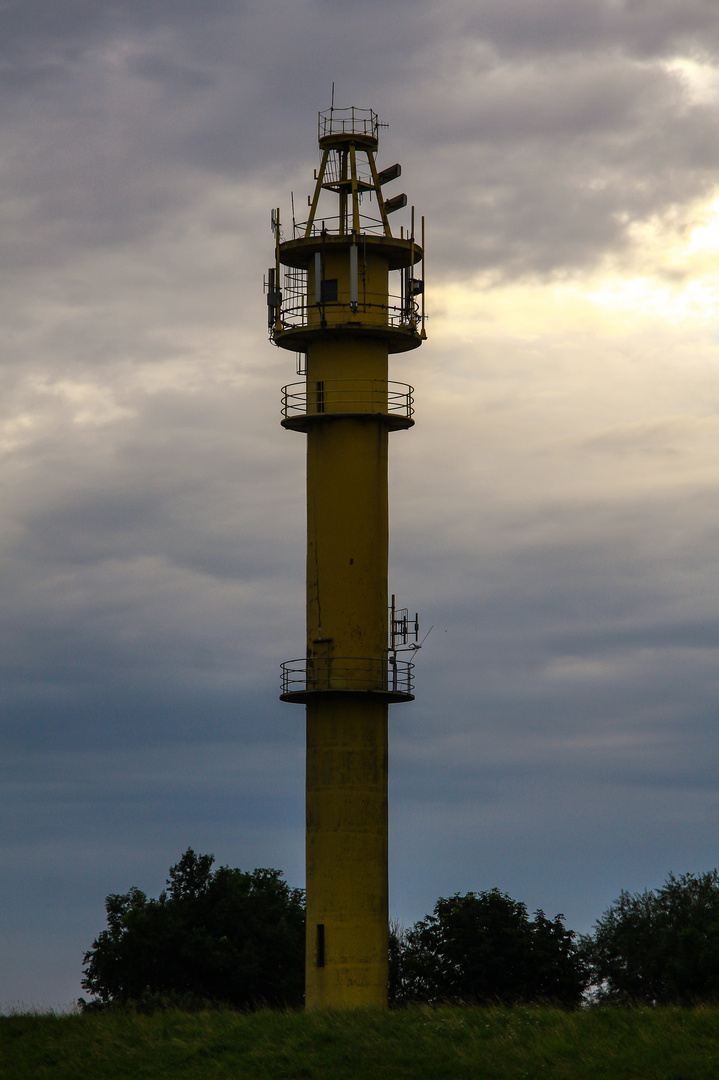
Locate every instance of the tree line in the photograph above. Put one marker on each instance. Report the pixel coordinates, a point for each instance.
(233, 937)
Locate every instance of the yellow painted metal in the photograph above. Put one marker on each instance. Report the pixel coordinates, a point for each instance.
(347, 538)
(347, 617)
(424, 332)
(347, 342)
(346, 851)
(379, 195)
(318, 191)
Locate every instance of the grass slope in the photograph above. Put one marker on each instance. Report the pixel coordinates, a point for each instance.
(532, 1043)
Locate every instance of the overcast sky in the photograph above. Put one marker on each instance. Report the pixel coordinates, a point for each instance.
(554, 512)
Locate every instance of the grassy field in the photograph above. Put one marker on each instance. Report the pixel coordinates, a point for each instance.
(501, 1043)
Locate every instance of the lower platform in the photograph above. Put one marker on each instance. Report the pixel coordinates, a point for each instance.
(386, 677)
(306, 403)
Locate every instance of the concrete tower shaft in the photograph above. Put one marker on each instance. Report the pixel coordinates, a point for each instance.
(344, 294)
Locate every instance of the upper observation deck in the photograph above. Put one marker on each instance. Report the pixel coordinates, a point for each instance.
(337, 126)
(334, 270)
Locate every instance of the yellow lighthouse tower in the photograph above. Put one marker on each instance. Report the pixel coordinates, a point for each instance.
(344, 293)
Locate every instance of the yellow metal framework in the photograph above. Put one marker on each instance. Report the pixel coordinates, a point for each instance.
(330, 300)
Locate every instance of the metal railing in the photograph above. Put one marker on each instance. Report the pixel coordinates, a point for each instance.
(295, 311)
(358, 674)
(348, 396)
(330, 223)
(348, 122)
(334, 173)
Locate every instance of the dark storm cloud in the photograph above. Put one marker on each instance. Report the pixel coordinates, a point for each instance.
(548, 163)
(152, 528)
(134, 503)
(118, 571)
(637, 27)
(551, 167)
(555, 128)
(31, 27)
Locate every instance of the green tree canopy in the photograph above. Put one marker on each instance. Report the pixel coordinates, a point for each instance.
(227, 936)
(659, 946)
(483, 947)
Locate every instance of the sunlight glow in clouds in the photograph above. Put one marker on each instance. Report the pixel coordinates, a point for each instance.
(700, 78)
(670, 273)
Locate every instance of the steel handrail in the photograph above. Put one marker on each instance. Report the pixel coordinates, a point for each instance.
(363, 674)
(295, 315)
(348, 396)
(370, 225)
(337, 122)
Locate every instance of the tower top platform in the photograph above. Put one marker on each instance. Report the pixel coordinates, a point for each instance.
(335, 126)
(342, 269)
(397, 252)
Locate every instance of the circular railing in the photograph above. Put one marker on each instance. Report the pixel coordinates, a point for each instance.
(352, 121)
(383, 675)
(296, 313)
(329, 396)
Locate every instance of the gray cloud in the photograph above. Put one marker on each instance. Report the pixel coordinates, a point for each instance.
(562, 26)
(552, 510)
